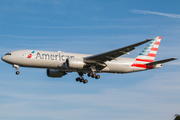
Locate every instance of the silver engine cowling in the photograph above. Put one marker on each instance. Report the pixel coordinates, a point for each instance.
(55, 73)
(75, 63)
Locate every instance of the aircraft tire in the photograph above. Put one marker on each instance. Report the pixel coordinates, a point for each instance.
(17, 72)
(85, 81)
(93, 76)
(81, 80)
(90, 74)
(97, 76)
(77, 79)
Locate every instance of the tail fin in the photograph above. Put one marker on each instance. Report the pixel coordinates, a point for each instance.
(149, 53)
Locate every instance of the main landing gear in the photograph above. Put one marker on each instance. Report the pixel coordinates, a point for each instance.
(93, 75)
(17, 68)
(81, 78)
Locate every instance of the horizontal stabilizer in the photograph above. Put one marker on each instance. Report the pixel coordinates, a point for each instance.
(161, 61)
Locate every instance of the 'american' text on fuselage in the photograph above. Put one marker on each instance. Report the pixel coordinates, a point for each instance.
(53, 56)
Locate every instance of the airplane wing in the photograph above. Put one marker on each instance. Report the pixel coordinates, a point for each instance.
(161, 61)
(108, 56)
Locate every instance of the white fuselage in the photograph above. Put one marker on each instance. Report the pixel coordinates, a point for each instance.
(57, 60)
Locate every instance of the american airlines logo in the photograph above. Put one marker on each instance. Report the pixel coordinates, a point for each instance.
(58, 56)
(30, 55)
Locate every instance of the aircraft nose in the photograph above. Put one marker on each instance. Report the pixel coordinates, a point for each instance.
(5, 59)
(2, 58)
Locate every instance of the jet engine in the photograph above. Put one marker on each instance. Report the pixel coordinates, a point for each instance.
(55, 73)
(75, 63)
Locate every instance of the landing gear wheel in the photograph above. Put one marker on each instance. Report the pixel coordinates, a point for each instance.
(17, 72)
(93, 76)
(81, 80)
(90, 74)
(97, 76)
(85, 81)
(78, 79)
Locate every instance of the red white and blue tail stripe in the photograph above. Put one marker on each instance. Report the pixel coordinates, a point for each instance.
(149, 53)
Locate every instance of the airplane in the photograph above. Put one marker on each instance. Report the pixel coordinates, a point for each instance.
(58, 64)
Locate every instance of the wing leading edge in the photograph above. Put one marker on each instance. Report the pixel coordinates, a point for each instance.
(108, 56)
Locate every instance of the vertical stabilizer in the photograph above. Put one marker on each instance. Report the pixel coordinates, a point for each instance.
(149, 53)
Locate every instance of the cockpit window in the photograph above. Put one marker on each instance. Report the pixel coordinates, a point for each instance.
(8, 54)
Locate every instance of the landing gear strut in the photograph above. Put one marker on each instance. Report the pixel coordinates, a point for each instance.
(17, 68)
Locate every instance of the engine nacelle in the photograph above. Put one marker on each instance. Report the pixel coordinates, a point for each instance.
(75, 63)
(55, 73)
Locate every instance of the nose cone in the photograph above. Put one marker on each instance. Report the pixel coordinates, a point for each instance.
(2, 58)
(11, 57)
(5, 59)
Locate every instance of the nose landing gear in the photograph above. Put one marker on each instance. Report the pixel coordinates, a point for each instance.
(17, 68)
(17, 72)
